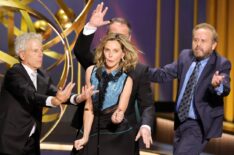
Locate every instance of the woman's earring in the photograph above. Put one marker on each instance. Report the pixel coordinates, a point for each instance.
(122, 59)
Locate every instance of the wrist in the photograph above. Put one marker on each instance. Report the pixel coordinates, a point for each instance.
(78, 99)
(55, 101)
(90, 25)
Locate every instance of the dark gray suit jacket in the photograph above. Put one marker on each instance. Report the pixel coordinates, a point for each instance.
(208, 104)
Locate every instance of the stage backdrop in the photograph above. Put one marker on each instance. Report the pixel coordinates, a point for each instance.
(161, 29)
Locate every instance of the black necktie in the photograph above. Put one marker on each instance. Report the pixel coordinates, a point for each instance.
(188, 93)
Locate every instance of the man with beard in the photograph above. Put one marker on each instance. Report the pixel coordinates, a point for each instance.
(203, 81)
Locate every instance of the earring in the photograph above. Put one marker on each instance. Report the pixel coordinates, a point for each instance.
(122, 59)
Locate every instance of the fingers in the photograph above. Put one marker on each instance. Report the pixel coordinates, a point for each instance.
(78, 145)
(97, 18)
(99, 7)
(68, 89)
(147, 140)
(138, 136)
(117, 116)
(146, 136)
(217, 79)
(63, 95)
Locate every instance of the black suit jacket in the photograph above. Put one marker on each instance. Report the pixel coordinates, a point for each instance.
(208, 104)
(141, 91)
(21, 107)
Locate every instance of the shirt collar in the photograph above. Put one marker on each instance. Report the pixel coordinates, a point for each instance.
(28, 70)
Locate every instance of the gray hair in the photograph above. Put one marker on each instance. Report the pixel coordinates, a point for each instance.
(21, 41)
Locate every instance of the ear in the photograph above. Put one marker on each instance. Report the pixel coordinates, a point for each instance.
(129, 37)
(21, 55)
(123, 54)
(214, 45)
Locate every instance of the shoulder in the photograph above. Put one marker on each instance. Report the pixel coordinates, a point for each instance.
(139, 70)
(222, 60)
(90, 69)
(141, 67)
(186, 53)
(16, 68)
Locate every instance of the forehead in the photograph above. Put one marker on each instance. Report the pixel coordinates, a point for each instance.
(120, 28)
(203, 32)
(112, 44)
(32, 43)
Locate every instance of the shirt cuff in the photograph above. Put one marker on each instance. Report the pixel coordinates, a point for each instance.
(49, 102)
(89, 29)
(219, 89)
(73, 99)
(146, 126)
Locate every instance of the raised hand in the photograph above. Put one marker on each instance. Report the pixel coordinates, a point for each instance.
(217, 79)
(87, 92)
(97, 17)
(64, 94)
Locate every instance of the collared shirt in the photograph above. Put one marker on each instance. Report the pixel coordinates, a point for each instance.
(219, 90)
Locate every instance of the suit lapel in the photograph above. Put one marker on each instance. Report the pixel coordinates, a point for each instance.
(185, 66)
(208, 69)
(41, 83)
(23, 70)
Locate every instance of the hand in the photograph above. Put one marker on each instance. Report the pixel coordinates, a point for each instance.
(64, 95)
(55, 101)
(117, 116)
(87, 92)
(79, 144)
(145, 133)
(97, 18)
(217, 79)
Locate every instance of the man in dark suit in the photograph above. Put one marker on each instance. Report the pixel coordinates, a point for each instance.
(25, 90)
(203, 80)
(141, 88)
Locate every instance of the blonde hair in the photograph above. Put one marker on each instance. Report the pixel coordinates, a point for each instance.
(129, 60)
(209, 27)
(21, 41)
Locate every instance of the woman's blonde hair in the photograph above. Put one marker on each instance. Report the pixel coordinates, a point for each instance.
(130, 58)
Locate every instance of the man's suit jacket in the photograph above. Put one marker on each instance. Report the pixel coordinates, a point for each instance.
(141, 91)
(21, 107)
(208, 104)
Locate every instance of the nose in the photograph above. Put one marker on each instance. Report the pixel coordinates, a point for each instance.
(110, 54)
(41, 53)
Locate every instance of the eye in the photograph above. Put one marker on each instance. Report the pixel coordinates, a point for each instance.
(195, 40)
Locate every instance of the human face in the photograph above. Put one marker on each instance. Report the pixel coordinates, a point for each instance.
(119, 28)
(112, 54)
(33, 55)
(203, 44)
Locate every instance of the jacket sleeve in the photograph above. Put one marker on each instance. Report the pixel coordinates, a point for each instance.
(82, 50)
(145, 100)
(21, 88)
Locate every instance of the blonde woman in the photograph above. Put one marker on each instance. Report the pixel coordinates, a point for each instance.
(105, 130)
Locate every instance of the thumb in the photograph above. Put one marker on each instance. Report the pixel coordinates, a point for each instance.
(105, 22)
(217, 73)
(138, 136)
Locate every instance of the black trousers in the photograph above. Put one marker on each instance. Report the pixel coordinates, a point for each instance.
(32, 146)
